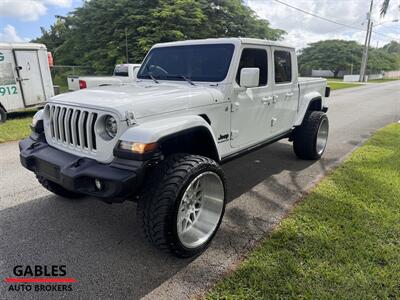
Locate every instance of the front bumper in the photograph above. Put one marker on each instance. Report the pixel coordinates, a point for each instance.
(120, 179)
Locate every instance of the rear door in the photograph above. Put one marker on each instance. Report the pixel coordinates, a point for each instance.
(30, 76)
(285, 102)
(10, 94)
(251, 107)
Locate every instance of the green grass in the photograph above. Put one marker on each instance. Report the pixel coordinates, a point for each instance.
(341, 242)
(333, 79)
(382, 80)
(17, 126)
(335, 85)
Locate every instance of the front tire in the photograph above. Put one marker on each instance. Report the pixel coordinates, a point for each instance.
(309, 139)
(58, 189)
(182, 204)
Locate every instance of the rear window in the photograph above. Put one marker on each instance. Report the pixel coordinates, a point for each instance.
(283, 67)
(121, 70)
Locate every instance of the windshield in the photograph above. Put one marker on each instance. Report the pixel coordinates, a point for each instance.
(121, 70)
(194, 62)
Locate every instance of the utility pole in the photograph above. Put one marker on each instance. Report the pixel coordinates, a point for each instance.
(126, 46)
(366, 45)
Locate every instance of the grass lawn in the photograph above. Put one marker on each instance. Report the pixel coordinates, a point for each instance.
(382, 80)
(17, 126)
(336, 85)
(333, 79)
(341, 242)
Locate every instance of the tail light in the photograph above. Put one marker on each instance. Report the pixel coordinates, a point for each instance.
(82, 84)
(50, 59)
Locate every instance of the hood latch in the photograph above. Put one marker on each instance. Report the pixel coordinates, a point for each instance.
(130, 118)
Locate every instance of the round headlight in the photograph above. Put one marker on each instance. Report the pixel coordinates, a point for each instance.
(111, 126)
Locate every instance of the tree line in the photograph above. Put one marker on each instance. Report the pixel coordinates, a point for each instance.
(95, 34)
(341, 55)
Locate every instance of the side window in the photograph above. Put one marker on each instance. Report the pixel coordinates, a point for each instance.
(254, 58)
(283, 67)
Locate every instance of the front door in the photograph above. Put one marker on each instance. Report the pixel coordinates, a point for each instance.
(251, 107)
(30, 76)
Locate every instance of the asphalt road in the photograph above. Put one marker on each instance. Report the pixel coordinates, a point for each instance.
(104, 248)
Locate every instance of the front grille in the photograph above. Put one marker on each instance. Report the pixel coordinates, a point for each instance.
(73, 127)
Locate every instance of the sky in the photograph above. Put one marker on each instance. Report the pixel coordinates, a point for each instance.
(20, 20)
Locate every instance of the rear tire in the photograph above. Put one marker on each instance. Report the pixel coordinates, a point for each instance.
(58, 189)
(182, 194)
(309, 139)
(3, 115)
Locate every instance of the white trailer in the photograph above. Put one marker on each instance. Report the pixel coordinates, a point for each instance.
(25, 78)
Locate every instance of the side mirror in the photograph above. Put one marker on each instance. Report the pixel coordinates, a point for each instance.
(249, 77)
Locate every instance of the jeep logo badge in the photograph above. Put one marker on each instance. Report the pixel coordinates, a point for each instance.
(1, 56)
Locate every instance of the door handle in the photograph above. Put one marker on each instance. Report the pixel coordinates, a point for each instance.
(266, 100)
(289, 94)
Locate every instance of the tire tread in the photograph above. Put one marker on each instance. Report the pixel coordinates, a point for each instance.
(157, 200)
(304, 138)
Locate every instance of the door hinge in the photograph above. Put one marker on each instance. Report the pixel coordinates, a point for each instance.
(234, 134)
(235, 106)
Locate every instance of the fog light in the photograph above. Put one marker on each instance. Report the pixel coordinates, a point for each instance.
(98, 184)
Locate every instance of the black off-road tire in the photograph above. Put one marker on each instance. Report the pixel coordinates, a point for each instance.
(58, 189)
(3, 115)
(160, 198)
(305, 136)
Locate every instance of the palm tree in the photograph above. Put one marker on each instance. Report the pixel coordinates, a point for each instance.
(384, 7)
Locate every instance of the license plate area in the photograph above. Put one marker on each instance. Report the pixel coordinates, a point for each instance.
(48, 170)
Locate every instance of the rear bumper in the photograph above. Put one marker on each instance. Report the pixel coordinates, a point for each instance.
(119, 179)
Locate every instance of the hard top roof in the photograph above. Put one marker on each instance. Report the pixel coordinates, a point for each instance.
(246, 41)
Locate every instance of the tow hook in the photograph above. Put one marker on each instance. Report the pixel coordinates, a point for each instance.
(33, 146)
(77, 163)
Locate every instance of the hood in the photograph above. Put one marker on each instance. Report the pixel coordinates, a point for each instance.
(142, 99)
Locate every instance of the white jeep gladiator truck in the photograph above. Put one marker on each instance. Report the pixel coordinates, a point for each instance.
(161, 140)
(123, 73)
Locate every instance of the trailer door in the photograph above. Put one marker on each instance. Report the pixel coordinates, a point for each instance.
(30, 76)
(10, 94)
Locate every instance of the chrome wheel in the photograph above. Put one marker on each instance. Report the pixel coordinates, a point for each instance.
(200, 209)
(322, 136)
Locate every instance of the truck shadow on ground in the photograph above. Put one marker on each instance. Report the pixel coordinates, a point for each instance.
(103, 246)
(253, 168)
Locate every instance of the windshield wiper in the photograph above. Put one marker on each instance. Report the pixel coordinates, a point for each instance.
(187, 79)
(150, 74)
(152, 77)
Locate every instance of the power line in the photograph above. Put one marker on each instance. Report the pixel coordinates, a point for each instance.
(327, 19)
(317, 16)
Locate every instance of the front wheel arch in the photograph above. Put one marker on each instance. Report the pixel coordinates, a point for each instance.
(195, 141)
